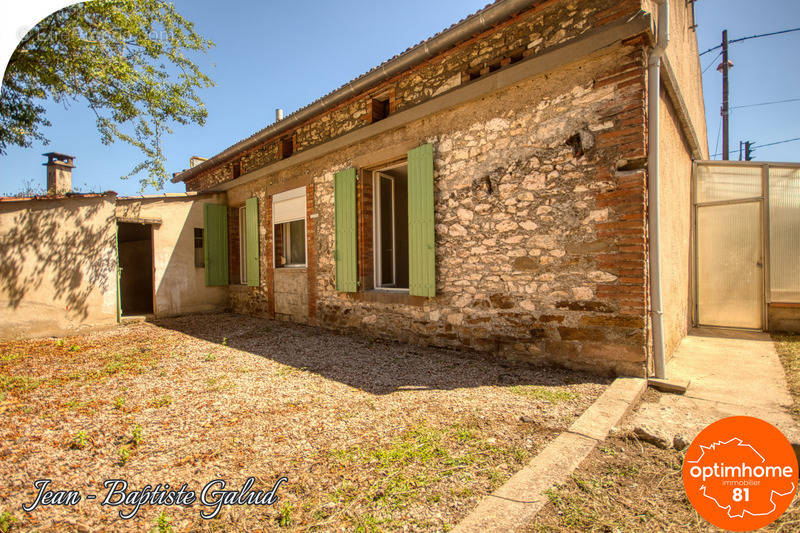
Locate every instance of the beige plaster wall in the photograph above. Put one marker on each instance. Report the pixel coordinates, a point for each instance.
(682, 53)
(57, 265)
(675, 171)
(180, 286)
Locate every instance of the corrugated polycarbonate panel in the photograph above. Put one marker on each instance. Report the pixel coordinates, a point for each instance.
(717, 183)
(784, 234)
(730, 282)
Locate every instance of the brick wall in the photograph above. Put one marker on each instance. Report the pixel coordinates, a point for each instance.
(311, 254)
(233, 246)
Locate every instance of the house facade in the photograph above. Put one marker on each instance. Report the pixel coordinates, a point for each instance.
(519, 184)
(487, 190)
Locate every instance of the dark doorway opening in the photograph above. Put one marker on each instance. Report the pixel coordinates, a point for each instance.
(136, 265)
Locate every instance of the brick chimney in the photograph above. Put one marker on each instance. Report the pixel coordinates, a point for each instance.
(59, 173)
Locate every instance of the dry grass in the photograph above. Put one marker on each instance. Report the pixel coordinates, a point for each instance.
(372, 435)
(788, 347)
(629, 486)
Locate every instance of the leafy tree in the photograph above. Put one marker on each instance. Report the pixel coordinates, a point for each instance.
(126, 59)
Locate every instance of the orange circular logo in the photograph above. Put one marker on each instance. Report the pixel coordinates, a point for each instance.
(740, 473)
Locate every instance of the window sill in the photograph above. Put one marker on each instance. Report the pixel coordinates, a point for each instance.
(389, 297)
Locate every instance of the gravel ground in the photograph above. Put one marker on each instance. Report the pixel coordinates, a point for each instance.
(372, 435)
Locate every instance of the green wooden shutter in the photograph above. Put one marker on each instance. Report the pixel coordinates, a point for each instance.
(253, 262)
(421, 254)
(345, 219)
(215, 243)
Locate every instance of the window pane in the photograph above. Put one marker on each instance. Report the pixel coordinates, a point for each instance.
(199, 259)
(716, 183)
(297, 242)
(784, 234)
(387, 232)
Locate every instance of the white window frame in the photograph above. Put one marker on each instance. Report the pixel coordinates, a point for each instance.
(376, 235)
(280, 197)
(243, 245)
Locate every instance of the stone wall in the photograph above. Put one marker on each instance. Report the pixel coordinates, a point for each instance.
(540, 202)
(540, 239)
(546, 25)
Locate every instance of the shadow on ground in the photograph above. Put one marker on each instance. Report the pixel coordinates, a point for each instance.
(372, 365)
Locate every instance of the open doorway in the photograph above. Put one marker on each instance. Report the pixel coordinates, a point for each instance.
(136, 268)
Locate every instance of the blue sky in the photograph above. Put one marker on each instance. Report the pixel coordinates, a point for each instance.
(272, 54)
(765, 70)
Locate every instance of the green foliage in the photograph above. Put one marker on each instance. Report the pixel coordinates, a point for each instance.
(162, 401)
(136, 435)
(124, 454)
(285, 516)
(224, 341)
(9, 357)
(19, 384)
(543, 393)
(126, 60)
(7, 521)
(79, 441)
(163, 524)
(119, 402)
(210, 357)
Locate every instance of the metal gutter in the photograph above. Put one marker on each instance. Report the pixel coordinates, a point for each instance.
(653, 130)
(472, 25)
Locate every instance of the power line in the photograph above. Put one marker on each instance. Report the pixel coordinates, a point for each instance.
(767, 103)
(751, 37)
(778, 142)
(716, 143)
(713, 61)
(753, 147)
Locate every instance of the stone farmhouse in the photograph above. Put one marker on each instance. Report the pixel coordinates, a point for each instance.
(519, 184)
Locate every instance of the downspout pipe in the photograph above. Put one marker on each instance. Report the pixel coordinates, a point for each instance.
(653, 129)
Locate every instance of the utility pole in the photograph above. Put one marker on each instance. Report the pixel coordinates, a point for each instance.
(740, 150)
(725, 66)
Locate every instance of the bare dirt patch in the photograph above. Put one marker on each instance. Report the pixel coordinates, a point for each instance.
(372, 435)
(628, 485)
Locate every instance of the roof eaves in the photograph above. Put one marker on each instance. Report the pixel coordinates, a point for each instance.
(505, 9)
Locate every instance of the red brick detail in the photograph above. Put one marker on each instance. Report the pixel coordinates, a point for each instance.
(233, 246)
(311, 254)
(364, 203)
(267, 251)
(621, 9)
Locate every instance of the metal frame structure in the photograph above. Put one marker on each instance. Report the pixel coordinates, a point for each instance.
(763, 200)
